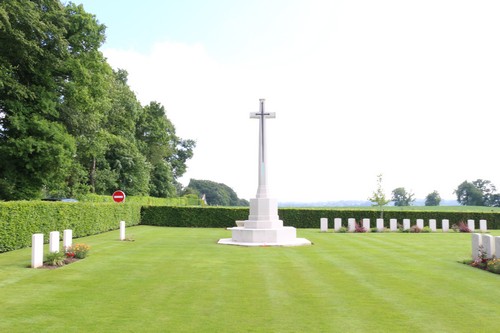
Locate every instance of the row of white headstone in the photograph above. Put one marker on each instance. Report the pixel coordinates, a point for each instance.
(487, 244)
(393, 223)
(37, 243)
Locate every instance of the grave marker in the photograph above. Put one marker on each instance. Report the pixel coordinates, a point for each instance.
(338, 223)
(36, 250)
(54, 241)
(67, 238)
(393, 224)
(406, 224)
(432, 224)
(476, 243)
(380, 224)
(470, 224)
(445, 225)
(488, 245)
(482, 226)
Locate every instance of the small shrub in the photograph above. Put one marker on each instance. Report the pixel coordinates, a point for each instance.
(426, 229)
(78, 251)
(374, 229)
(359, 228)
(54, 259)
(343, 230)
(462, 227)
(494, 266)
(455, 228)
(415, 229)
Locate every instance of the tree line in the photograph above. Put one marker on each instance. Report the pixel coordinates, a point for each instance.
(69, 123)
(479, 192)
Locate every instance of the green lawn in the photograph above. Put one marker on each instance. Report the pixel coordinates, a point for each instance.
(180, 280)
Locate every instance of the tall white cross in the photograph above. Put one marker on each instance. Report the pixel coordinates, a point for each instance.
(262, 189)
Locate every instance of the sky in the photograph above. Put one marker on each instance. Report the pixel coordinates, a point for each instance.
(406, 89)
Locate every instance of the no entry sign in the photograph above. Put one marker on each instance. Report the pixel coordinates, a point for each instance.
(119, 196)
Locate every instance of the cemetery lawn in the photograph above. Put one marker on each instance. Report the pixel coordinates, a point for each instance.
(180, 280)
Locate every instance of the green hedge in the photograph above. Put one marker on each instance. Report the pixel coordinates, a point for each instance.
(222, 217)
(19, 220)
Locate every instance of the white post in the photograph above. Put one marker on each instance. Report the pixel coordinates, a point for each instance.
(488, 245)
(67, 238)
(406, 224)
(338, 223)
(54, 241)
(445, 225)
(476, 243)
(380, 225)
(482, 226)
(122, 230)
(393, 224)
(497, 246)
(366, 224)
(351, 224)
(36, 250)
(432, 224)
(470, 224)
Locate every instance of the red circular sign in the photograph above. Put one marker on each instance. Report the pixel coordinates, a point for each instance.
(119, 196)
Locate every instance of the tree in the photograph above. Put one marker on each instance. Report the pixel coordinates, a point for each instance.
(476, 193)
(217, 194)
(378, 197)
(433, 199)
(401, 197)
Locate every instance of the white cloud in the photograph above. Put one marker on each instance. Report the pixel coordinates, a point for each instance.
(409, 91)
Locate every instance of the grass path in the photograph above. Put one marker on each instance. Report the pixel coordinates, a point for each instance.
(180, 280)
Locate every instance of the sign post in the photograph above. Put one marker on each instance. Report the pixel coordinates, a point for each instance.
(119, 196)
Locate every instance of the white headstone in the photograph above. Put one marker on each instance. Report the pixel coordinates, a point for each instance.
(393, 224)
(54, 241)
(36, 250)
(488, 245)
(420, 223)
(122, 230)
(324, 224)
(366, 224)
(351, 224)
(67, 238)
(432, 224)
(406, 224)
(497, 246)
(338, 223)
(483, 226)
(380, 224)
(470, 224)
(476, 243)
(445, 225)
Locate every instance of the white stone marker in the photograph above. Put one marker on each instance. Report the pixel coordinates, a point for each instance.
(488, 245)
(420, 223)
(470, 224)
(380, 224)
(324, 224)
(54, 241)
(432, 224)
(366, 224)
(351, 224)
(393, 224)
(482, 226)
(67, 238)
(406, 224)
(445, 225)
(476, 243)
(36, 250)
(122, 230)
(338, 223)
(497, 246)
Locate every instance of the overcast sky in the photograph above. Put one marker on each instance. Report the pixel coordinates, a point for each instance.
(407, 89)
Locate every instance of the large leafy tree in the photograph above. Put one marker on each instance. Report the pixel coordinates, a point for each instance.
(433, 199)
(401, 197)
(477, 193)
(36, 149)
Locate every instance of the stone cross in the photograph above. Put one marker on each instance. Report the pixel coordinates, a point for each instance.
(262, 189)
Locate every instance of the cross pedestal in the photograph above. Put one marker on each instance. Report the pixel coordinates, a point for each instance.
(263, 227)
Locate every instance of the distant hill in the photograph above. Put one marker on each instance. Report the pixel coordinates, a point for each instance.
(356, 203)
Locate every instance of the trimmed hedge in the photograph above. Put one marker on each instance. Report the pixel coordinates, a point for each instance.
(223, 217)
(20, 219)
